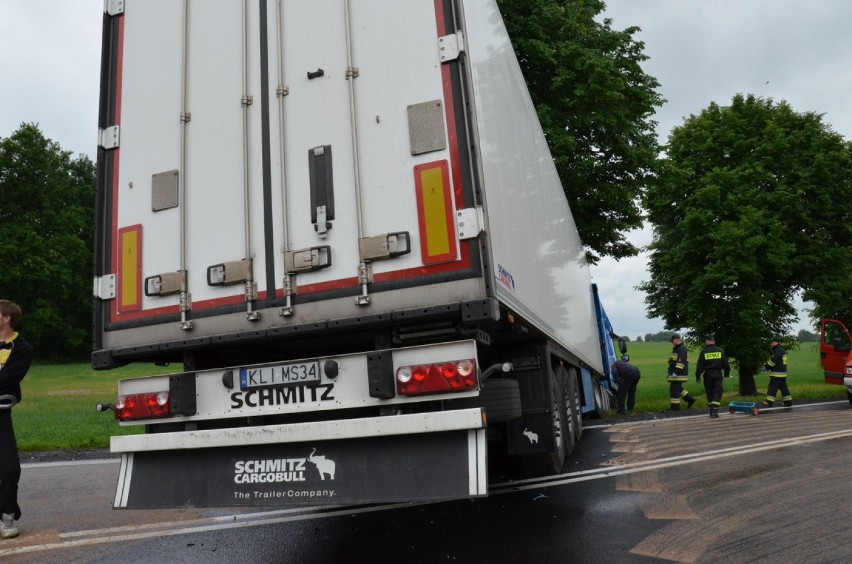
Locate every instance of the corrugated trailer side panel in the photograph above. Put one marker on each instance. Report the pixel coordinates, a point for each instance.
(538, 258)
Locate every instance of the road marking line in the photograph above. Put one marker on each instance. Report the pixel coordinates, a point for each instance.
(233, 518)
(70, 463)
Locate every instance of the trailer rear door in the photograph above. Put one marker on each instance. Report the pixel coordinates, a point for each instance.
(260, 155)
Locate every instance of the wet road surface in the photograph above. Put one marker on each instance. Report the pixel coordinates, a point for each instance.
(686, 489)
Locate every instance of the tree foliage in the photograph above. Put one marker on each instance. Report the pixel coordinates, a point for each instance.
(659, 337)
(595, 105)
(751, 207)
(807, 337)
(46, 236)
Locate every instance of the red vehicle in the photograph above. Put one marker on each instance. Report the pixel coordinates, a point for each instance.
(835, 346)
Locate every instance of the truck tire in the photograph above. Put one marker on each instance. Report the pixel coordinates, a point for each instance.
(601, 399)
(574, 405)
(500, 397)
(550, 463)
(849, 397)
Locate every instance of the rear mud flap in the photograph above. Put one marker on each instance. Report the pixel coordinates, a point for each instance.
(531, 434)
(421, 467)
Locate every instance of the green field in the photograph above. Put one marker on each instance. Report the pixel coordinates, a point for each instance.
(805, 378)
(58, 411)
(58, 407)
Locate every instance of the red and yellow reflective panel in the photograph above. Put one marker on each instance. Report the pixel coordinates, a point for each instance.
(130, 268)
(435, 212)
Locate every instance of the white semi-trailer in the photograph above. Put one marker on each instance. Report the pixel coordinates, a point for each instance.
(341, 221)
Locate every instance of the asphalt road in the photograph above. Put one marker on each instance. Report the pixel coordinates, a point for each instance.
(687, 489)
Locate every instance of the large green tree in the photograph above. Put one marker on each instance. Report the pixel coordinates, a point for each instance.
(46, 231)
(595, 104)
(752, 206)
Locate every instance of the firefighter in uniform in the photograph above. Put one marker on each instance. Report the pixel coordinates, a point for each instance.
(712, 363)
(777, 367)
(678, 374)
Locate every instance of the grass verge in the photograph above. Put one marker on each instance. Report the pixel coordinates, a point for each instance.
(805, 379)
(58, 407)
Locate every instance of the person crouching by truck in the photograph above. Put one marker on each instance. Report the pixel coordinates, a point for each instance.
(678, 374)
(627, 376)
(777, 367)
(713, 365)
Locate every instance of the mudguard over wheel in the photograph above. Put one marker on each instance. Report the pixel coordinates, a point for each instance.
(500, 397)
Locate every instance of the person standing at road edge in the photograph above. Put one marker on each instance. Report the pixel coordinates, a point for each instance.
(678, 374)
(777, 367)
(712, 363)
(627, 377)
(15, 358)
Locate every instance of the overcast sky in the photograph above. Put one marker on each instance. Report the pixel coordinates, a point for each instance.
(700, 51)
(704, 51)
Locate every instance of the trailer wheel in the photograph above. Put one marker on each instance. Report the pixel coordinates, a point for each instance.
(574, 404)
(500, 397)
(549, 463)
(571, 427)
(601, 399)
(562, 435)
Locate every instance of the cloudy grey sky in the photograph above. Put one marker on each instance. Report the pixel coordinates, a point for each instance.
(704, 51)
(701, 51)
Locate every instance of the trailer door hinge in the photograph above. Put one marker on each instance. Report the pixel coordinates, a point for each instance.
(469, 222)
(451, 46)
(104, 287)
(114, 7)
(108, 137)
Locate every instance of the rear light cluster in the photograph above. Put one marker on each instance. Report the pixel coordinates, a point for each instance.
(435, 378)
(142, 406)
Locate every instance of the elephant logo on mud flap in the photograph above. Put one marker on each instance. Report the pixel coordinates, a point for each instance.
(324, 465)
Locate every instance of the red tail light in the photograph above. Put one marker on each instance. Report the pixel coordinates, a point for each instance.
(142, 406)
(439, 377)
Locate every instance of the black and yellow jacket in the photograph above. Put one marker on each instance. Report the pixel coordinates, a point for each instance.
(678, 364)
(777, 365)
(712, 361)
(16, 355)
